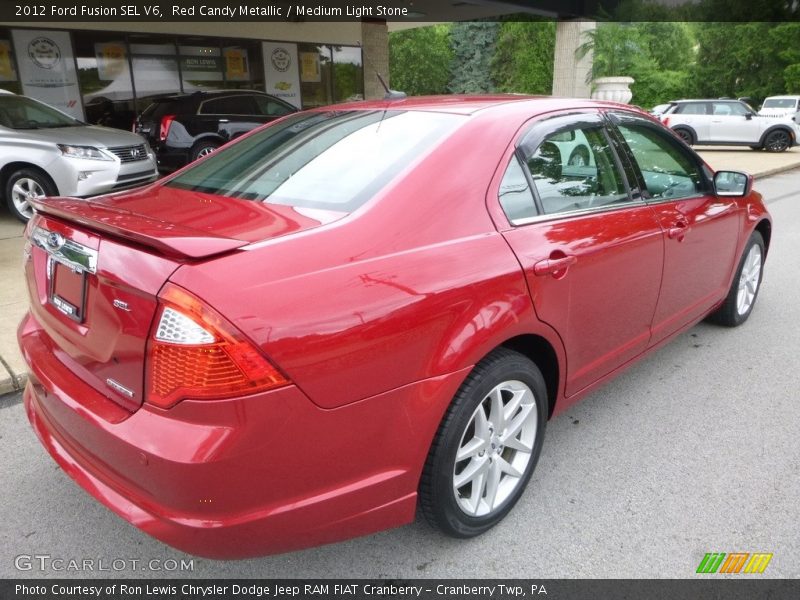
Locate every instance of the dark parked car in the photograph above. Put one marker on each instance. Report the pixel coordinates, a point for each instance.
(183, 127)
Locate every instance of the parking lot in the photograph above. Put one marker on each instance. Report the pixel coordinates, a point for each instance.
(692, 451)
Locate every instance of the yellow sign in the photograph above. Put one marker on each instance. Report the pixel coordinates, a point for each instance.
(112, 61)
(236, 65)
(309, 67)
(7, 72)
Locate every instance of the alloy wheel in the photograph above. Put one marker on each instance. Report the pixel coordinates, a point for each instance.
(495, 449)
(749, 280)
(23, 191)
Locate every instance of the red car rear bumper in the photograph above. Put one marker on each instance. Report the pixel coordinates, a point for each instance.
(255, 475)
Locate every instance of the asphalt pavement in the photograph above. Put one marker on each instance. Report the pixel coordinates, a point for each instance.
(693, 450)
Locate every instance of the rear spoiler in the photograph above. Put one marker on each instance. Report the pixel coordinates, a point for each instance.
(169, 239)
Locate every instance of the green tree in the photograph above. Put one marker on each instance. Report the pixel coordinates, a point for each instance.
(746, 59)
(419, 60)
(473, 48)
(523, 58)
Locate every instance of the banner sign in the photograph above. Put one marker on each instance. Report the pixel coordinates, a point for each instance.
(237, 67)
(112, 60)
(47, 69)
(7, 72)
(281, 74)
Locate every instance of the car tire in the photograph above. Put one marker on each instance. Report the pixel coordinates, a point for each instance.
(24, 184)
(685, 135)
(579, 157)
(778, 141)
(742, 296)
(490, 437)
(201, 149)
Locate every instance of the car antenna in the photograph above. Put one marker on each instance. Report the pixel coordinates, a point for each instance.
(390, 94)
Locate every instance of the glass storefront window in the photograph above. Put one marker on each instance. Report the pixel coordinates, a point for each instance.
(202, 65)
(242, 63)
(9, 80)
(348, 74)
(105, 79)
(155, 68)
(315, 75)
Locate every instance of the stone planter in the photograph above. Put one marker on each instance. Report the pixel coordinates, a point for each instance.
(614, 89)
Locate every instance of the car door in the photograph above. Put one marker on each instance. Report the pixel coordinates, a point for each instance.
(701, 228)
(733, 122)
(591, 249)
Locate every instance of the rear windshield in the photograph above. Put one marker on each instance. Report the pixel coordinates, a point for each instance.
(329, 160)
(779, 103)
(161, 107)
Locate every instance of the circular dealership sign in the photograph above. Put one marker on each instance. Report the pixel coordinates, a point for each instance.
(281, 59)
(44, 52)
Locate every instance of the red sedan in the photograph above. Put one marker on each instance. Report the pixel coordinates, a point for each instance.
(365, 310)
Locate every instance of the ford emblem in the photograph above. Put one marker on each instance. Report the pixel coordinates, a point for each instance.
(55, 241)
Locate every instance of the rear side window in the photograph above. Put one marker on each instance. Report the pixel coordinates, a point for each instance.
(692, 108)
(271, 108)
(575, 170)
(231, 105)
(326, 160)
(788, 103)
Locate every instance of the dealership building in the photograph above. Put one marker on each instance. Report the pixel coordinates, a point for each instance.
(107, 72)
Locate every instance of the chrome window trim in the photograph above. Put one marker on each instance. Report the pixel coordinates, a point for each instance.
(578, 213)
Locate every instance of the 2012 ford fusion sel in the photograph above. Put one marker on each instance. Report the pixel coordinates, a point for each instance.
(364, 311)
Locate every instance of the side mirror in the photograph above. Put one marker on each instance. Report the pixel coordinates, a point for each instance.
(732, 183)
(748, 116)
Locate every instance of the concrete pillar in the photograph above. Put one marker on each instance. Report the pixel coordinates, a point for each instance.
(375, 46)
(569, 72)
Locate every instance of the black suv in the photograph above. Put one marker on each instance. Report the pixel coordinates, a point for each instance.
(184, 127)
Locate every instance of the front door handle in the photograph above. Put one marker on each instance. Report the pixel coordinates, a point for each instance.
(552, 266)
(678, 231)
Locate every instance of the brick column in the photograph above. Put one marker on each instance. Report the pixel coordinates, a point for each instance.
(569, 73)
(375, 46)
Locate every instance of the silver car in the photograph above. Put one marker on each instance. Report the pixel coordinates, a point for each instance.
(44, 152)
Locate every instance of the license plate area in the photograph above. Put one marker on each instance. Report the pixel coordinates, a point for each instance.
(69, 265)
(67, 286)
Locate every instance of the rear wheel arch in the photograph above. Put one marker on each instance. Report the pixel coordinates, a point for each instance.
(541, 352)
(692, 135)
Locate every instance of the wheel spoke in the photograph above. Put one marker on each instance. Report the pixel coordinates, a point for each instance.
(492, 484)
(507, 467)
(496, 413)
(470, 449)
(516, 425)
(513, 405)
(477, 467)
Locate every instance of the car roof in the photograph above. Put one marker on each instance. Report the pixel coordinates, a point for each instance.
(783, 97)
(469, 104)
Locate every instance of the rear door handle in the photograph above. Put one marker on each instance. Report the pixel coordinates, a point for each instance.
(551, 266)
(678, 231)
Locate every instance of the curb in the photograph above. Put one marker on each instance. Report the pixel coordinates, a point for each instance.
(11, 382)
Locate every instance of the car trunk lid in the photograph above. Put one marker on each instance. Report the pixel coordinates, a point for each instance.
(95, 269)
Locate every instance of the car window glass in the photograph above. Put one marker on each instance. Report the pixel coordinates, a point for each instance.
(575, 170)
(231, 105)
(693, 108)
(780, 103)
(18, 112)
(270, 108)
(330, 160)
(668, 170)
(515, 194)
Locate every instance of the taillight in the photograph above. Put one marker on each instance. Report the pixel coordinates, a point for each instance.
(163, 130)
(193, 352)
(665, 120)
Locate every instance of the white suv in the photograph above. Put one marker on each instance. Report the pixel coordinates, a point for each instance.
(44, 152)
(781, 106)
(729, 123)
